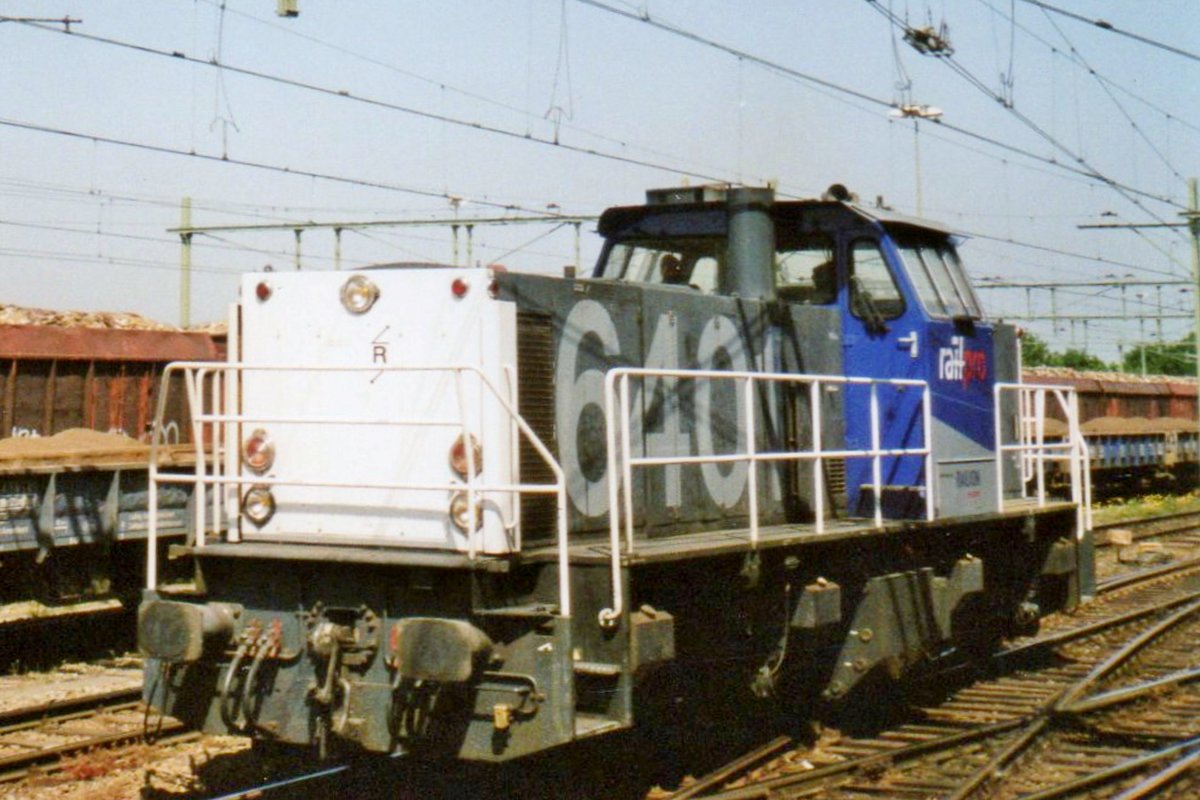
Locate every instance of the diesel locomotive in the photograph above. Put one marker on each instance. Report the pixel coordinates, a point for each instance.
(768, 446)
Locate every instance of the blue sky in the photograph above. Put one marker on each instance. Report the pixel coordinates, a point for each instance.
(467, 100)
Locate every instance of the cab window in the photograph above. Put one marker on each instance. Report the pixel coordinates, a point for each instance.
(692, 262)
(806, 271)
(874, 295)
(939, 278)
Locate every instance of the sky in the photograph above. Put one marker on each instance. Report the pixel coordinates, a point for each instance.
(358, 111)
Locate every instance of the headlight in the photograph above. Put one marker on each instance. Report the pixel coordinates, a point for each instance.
(460, 512)
(359, 294)
(258, 505)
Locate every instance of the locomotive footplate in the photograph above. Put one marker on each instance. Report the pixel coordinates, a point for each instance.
(595, 549)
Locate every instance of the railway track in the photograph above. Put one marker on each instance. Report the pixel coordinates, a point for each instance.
(926, 757)
(981, 719)
(1156, 523)
(1104, 702)
(1129, 545)
(44, 736)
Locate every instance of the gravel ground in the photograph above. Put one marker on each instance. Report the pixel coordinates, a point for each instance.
(68, 681)
(146, 772)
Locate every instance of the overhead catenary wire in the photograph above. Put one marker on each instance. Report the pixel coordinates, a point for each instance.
(1081, 173)
(384, 104)
(219, 242)
(1084, 170)
(390, 187)
(1078, 56)
(952, 63)
(1061, 252)
(1103, 79)
(437, 83)
(84, 258)
(276, 168)
(1088, 172)
(48, 191)
(381, 240)
(1108, 26)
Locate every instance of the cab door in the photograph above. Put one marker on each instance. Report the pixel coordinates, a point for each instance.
(960, 353)
(884, 335)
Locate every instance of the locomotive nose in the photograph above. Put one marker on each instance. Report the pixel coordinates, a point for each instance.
(177, 632)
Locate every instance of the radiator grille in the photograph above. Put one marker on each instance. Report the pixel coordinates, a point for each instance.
(535, 381)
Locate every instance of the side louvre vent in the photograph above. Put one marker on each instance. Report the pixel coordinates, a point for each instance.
(835, 482)
(535, 380)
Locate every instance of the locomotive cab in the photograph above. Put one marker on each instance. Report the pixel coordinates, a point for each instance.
(892, 295)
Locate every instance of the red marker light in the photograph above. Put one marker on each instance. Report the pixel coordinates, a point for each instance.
(459, 288)
(459, 456)
(262, 291)
(258, 451)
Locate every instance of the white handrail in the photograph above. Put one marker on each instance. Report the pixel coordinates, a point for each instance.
(621, 461)
(1034, 451)
(221, 471)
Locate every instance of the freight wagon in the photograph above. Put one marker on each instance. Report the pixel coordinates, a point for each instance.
(76, 408)
(1142, 432)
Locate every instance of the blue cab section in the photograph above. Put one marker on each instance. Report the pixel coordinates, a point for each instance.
(908, 312)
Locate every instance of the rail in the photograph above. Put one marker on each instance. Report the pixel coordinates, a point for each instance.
(218, 481)
(621, 460)
(1034, 451)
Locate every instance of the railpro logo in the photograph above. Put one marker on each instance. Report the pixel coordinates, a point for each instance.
(957, 363)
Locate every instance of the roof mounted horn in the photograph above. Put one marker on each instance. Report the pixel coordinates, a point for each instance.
(839, 193)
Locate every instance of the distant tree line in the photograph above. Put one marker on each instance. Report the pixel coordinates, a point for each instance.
(1165, 358)
(1036, 353)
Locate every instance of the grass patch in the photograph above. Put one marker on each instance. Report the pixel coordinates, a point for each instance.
(1149, 505)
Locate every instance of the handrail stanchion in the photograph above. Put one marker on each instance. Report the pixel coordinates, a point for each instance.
(152, 494)
(233, 438)
(626, 466)
(514, 438)
(218, 496)
(1086, 460)
(1078, 458)
(751, 452)
(152, 510)
(814, 394)
(233, 434)
(930, 483)
(1087, 485)
(610, 615)
(1039, 403)
(1027, 422)
(876, 457)
(194, 383)
(999, 434)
